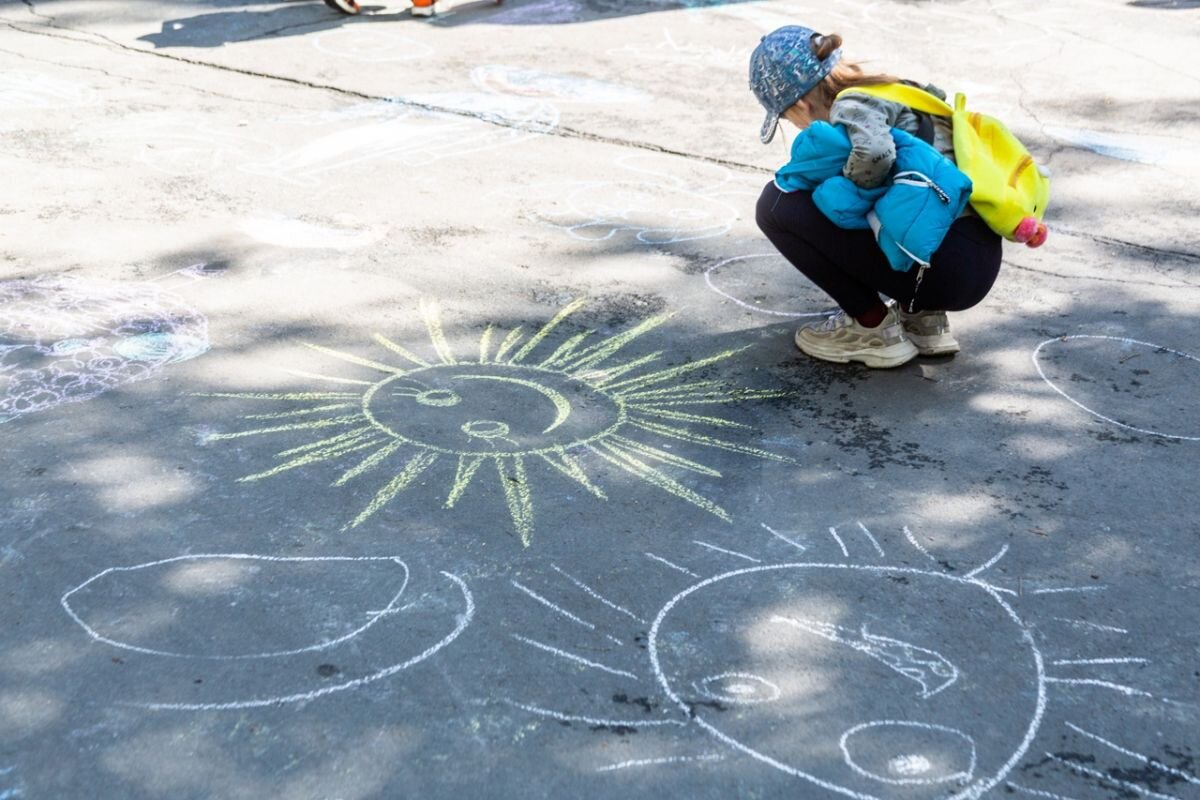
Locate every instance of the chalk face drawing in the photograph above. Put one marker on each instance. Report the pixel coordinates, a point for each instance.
(369, 45)
(410, 135)
(649, 205)
(1139, 386)
(767, 284)
(833, 665)
(520, 82)
(25, 91)
(264, 630)
(65, 339)
(878, 629)
(515, 406)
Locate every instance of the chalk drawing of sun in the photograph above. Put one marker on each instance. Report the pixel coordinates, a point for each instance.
(512, 405)
(828, 662)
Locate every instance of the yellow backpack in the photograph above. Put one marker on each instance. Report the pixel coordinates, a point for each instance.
(1010, 192)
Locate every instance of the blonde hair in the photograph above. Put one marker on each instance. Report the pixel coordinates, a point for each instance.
(845, 74)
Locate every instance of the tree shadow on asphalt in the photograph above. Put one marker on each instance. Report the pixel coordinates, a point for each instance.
(125, 478)
(293, 18)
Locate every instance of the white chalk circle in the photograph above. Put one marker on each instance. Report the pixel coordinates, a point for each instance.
(370, 45)
(216, 577)
(1140, 385)
(224, 631)
(797, 635)
(767, 284)
(504, 79)
(739, 688)
(886, 751)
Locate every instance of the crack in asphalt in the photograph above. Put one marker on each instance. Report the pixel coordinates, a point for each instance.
(560, 131)
(1130, 282)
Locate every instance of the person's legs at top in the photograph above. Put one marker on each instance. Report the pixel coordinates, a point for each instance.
(850, 267)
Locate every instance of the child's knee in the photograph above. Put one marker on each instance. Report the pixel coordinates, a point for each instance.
(763, 211)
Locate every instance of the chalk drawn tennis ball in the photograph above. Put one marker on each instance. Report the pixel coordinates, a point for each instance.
(851, 678)
(64, 339)
(491, 409)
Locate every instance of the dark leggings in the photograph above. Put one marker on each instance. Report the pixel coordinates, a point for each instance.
(849, 266)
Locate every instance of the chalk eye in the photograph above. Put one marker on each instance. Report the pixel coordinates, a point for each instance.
(738, 688)
(909, 753)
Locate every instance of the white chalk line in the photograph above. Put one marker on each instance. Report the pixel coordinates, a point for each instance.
(654, 762)
(991, 562)
(1065, 662)
(1128, 691)
(790, 314)
(975, 791)
(1083, 623)
(833, 532)
(522, 587)
(673, 566)
(1037, 792)
(873, 540)
(920, 548)
(1147, 760)
(961, 777)
(572, 657)
(1069, 589)
(1037, 365)
(734, 553)
(597, 596)
(606, 723)
(783, 538)
(1075, 766)
(464, 620)
(372, 617)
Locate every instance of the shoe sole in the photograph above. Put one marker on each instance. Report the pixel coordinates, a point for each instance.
(937, 344)
(889, 357)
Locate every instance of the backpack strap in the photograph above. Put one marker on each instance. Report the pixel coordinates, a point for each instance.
(911, 96)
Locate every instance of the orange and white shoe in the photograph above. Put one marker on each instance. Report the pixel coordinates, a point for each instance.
(424, 8)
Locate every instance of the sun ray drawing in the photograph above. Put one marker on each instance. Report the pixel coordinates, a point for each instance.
(518, 408)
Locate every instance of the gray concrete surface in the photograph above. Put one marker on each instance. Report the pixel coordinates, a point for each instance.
(271, 529)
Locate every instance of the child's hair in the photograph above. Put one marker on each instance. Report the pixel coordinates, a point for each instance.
(845, 74)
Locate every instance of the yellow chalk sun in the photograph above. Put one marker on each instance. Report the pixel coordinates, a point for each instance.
(508, 409)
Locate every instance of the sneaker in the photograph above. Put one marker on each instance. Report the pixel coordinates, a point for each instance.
(423, 8)
(930, 332)
(841, 339)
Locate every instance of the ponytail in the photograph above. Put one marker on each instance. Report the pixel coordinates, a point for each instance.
(845, 74)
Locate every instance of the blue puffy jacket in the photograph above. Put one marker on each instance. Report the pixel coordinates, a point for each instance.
(910, 214)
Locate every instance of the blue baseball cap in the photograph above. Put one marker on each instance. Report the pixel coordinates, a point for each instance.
(784, 68)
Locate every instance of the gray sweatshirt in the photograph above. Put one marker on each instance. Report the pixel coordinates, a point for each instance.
(869, 120)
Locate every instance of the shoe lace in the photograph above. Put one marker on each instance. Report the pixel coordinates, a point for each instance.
(834, 321)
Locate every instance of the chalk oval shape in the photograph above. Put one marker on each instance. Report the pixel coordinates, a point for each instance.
(1139, 386)
(839, 642)
(766, 284)
(181, 607)
(907, 753)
